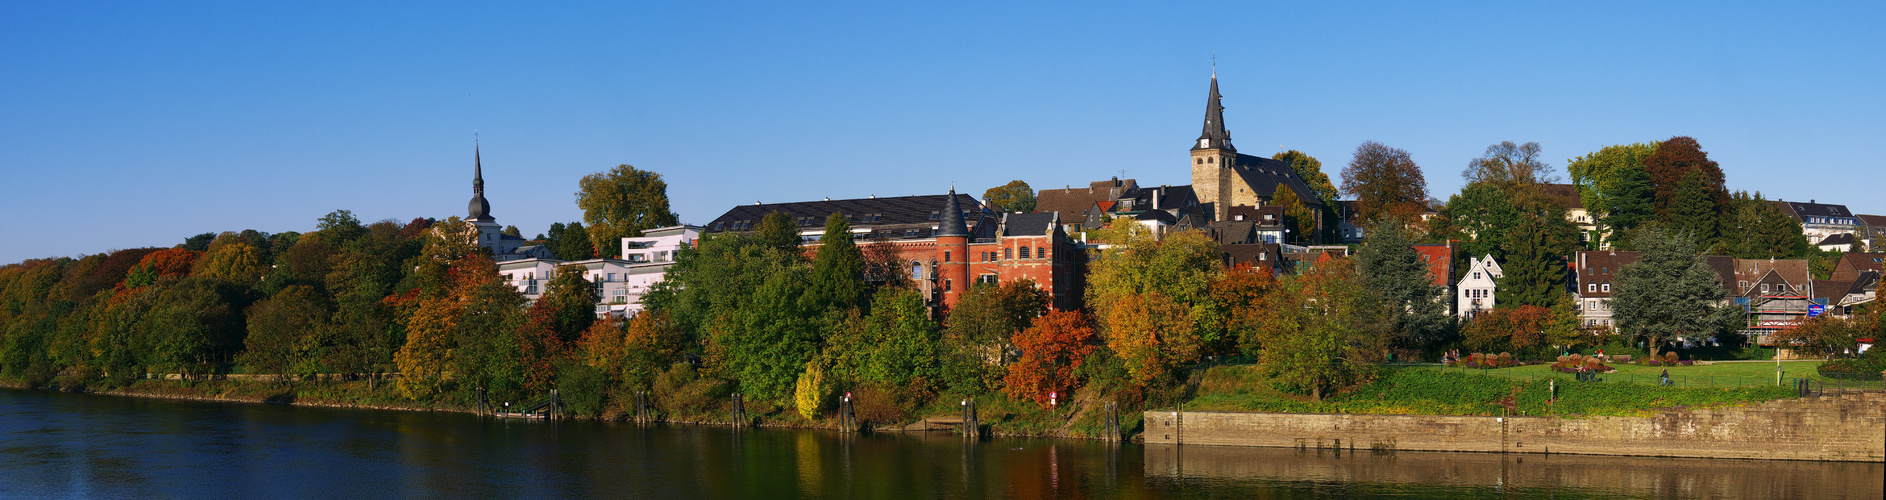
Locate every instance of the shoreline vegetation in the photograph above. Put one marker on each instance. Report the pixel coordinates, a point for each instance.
(790, 328)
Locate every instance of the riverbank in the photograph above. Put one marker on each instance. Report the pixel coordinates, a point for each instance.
(1843, 426)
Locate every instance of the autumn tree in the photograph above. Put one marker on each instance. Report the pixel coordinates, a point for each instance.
(1180, 268)
(1239, 295)
(1672, 164)
(1520, 328)
(884, 265)
(1507, 164)
(1052, 349)
(1385, 181)
(621, 203)
(231, 260)
(983, 320)
(340, 225)
(1828, 335)
(1316, 338)
(1151, 335)
(1015, 196)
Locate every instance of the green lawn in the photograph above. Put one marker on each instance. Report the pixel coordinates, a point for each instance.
(1717, 374)
(1431, 391)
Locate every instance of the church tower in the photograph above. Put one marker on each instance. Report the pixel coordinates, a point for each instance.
(479, 212)
(1213, 158)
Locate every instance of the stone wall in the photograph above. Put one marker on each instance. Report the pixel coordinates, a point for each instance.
(1843, 426)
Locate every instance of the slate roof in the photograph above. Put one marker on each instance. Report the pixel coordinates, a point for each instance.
(888, 214)
(1600, 267)
(1264, 175)
(1214, 136)
(1875, 222)
(1852, 264)
(1168, 197)
(1842, 239)
(1035, 224)
(1802, 210)
(1232, 232)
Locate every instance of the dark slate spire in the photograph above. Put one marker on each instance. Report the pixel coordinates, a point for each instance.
(1215, 135)
(952, 220)
(480, 209)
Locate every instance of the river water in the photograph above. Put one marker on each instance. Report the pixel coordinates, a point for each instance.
(55, 445)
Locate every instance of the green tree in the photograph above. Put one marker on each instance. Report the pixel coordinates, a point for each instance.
(1756, 228)
(1599, 175)
(1181, 268)
(1631, 201)
(1668, 293)
(1015, 196)
(1693, 212)
(199, 242)
(1310, 170)
(837, 268)
(1298, 218)
(1671, 165)
(1535, 262)
(573, 243)
(1482, 214)
(341, 225)
(1385, 182)
(512, 231)
(283, 331)
(777, 231)
(621, 203)
(986, 318)
(569, 302)
(1317, 337)
(1412, 310)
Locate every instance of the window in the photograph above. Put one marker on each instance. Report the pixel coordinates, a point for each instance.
(1041, 253)
(1741, 285)
(1764, 288)
(986, 278)
(946, 256)
(935, 215)
(1476, 275)
(612, 277)
(916, 270)
(1008, 253)
(1607, 287)
(947, 285)
(1025, 252)
(1237, 217)
(1593, 287)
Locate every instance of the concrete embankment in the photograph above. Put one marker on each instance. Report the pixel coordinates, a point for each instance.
(1848, 426)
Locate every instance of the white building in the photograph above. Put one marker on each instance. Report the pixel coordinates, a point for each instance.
(1475, 291)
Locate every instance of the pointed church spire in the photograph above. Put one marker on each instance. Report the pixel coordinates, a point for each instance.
(1215, 135)
(952, 218)
(479, 209)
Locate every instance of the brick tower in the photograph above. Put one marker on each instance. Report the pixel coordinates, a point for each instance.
(952, 245)
(1213, 158)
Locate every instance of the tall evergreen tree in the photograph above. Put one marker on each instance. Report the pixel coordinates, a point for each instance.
(1668, 293)
(1693, 211)
(838, 268)
(1400, 285)
(1534, 267)
(1631, 202)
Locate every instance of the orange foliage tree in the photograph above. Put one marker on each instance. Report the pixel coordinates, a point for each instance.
(1239, 295)
(1152, 335)
(1052, 348)
(1508, 328)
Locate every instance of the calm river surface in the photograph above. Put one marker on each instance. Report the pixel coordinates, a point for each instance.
(55, 445)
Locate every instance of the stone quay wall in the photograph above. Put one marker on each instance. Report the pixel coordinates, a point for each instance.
(1848, 426)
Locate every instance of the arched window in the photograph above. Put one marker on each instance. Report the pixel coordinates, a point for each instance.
(1025, 252)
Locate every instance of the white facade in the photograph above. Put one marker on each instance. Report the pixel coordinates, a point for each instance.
(619, 283)
(1476, 289)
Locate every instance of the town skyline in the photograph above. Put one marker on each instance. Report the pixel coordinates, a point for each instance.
(146, 125)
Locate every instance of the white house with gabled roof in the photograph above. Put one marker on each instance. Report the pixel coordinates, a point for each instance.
(1477, 287)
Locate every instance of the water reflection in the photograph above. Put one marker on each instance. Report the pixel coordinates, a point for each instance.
(69, 445)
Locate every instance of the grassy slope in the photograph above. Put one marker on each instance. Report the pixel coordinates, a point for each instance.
(1718, 374)
(1419, 390)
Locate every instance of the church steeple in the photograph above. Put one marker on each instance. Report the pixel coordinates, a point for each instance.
(1215, 136)
(480, 210)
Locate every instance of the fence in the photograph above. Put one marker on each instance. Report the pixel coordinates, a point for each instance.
(1680, 380)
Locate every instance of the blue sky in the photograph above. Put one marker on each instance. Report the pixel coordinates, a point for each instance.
(140, 124)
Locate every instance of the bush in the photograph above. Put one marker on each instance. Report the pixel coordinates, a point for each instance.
(682, 391)
(878, 404)
(1478, 360)
(581, 389)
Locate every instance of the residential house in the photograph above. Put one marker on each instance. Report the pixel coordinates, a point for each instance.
(1850, 265)
(1588, 231)
(1476, 289)
(1596, 274)
(1821, 220)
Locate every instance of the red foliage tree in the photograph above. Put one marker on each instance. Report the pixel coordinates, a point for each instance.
(1052, 349)
(1515, 328)
(1385, 181)
(1238, 296)
(1675, 159)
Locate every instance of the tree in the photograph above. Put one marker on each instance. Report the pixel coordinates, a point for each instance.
(1385, 181)
(777, 231)
(1239, 294)
(1299, 219)
(1632, 201)
(1519, 328)
(231, 260)
(1310, 170)
(1692, 212)
(1535, 269)
(1150, 334)
(884, 265)
(572, 242)
(621, 203)
(1668, 293)
(568, 302)
(1506, 164)
(199, 242)
(1755, 228)
(1411, 309)
(837, 268)
(1601, 175)
(1483, 215)
(1053, 348)
(512, 231)
(341, 225)
(1015, 196)
(1180, 268)
(283, 329)
(1672, 163)
(1316, 338)
(984, 320)
(1827, 335)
